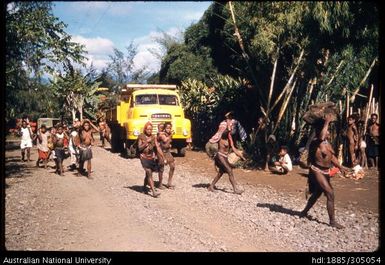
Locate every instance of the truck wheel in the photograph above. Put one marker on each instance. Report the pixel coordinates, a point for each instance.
(116, 142)
(182, 151)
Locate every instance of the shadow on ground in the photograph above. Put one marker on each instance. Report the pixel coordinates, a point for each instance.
(206, 185)
(137, 188)
(10, 146)
(15, 168)
(280, 209)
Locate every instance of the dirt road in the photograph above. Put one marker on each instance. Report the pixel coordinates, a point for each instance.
(45, 211)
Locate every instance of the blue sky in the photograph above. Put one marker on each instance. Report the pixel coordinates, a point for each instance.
(102, 26)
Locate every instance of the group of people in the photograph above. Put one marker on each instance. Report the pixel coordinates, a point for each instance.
(155, 153)
(59, 143)
(363, 143)
(322, 160)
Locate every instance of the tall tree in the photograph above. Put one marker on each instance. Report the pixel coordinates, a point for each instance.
(36, 44)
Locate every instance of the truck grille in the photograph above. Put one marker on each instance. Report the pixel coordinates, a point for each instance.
(155, 124)
(161, 116)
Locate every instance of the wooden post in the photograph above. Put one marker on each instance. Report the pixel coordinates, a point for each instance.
(372, 107)
(288, 84)
(347, 104)
(284, 106)
(272, 82)
(244, 54)
(363, 80)
(368, 108)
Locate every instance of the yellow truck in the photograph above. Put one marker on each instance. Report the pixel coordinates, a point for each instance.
(141, 103)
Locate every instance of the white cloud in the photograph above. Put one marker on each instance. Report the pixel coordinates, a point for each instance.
(98, 50)
(144, 57)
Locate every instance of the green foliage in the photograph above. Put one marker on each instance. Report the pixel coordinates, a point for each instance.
(327, 32)
(36, 43)
(180, 64)
(206, 105)
(75, 91)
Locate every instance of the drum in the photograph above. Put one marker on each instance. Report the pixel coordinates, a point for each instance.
(233, 159)
(211, 149)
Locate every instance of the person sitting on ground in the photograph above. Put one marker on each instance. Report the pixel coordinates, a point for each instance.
(222, 162)
(284, 164)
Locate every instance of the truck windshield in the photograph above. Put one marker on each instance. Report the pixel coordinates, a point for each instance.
(170, 100)
(146, 99)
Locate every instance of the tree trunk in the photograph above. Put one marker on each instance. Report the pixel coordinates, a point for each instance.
(73, 114)
(335, 73)
(244, 54)
(353, 97)
(368, 108)
(284, 106)
(272, 82)
(288, 84)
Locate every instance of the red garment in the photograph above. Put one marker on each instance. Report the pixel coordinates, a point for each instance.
(217, 136)
(333, 171)
(42, 155)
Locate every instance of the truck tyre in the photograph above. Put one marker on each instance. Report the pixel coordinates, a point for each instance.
(116, 142)
(182, 151)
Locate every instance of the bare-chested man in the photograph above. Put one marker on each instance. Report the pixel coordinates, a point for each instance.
(58, 143)
(86, 140)
(321, 158)
(104, 131)
(222, 162)
(165, 140)
(149, 152)
(352, 138)
(373, 140)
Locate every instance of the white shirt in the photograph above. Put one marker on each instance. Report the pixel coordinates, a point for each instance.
(72, 136)
(287, 162)
(25, 134)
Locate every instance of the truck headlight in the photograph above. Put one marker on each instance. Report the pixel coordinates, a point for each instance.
(136, 132)
(185, 132)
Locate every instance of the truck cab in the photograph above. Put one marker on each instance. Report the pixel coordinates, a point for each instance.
(142, 103)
